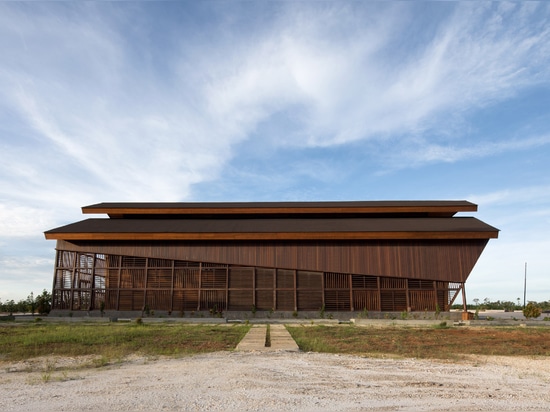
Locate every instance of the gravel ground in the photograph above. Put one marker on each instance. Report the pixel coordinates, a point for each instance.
(270, 381)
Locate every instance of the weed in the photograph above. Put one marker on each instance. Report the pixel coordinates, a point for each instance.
(268, 336)
(100, 362)
(437, 310)
(295, 314)
(139, 321)
(404, 315)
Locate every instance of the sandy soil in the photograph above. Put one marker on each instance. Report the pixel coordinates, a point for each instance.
(268, 381)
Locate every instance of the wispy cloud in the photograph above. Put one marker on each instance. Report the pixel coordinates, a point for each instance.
(126, 129)
(419, 153)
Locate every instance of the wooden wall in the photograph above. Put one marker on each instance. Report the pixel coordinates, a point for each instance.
(443, 260)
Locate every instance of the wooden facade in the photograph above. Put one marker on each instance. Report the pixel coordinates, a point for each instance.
(335, 256)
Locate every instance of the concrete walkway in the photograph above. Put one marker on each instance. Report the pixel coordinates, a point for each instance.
(255, 340)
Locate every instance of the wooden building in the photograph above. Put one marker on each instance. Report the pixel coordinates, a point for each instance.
(274, 256)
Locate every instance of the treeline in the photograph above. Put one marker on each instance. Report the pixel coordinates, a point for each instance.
(41, 304)
(506, 305)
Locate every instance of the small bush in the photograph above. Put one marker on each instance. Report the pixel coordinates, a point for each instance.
(532, 310)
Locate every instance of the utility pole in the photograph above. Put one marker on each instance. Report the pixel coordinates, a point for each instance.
(524, 285)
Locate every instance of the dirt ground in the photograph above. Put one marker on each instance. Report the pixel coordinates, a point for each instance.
(273, 381)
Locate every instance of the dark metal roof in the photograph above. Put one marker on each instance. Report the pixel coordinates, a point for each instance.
(334, 228)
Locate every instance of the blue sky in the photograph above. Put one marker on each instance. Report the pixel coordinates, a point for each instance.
(268, 101)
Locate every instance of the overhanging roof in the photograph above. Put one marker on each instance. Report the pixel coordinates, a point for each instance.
(440, 208)
(275, 229)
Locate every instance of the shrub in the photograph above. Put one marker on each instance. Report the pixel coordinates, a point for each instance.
(532, 310)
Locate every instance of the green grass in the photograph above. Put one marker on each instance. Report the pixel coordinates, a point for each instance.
(115, 341)
(436, 343)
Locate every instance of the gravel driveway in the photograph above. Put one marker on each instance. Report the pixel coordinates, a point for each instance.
(273, 381)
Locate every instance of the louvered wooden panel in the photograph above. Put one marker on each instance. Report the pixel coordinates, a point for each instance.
(111, 299)
(83, 279)
(81, 299)
(132, 278)
(393, 300)
(264, 278)
(393, 283)
(213, 299)
(336, 281)
(310, 299)
(442, 300)
(241, 300)
(158, 299)
(113, 261)
(364, 282)
(241, 278)
(186, 264)
(337, 300)
(421, 284)
(111, 281)
(126, 300)
(61, 299)
(285, 278)
(99, 279)
(190, 300)
(159, 278)
(99, 296)
(85, 261)
(63, 279)
(422, 300)
(186, 278)
(137, 300)
(309, 280)
(285, 300)
(264, 300)
(213, 278)
(159, 263)
(366, 300)
(66, 259)
(133, 261)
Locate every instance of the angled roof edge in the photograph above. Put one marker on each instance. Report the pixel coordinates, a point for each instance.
(275, 229)
(428, 207)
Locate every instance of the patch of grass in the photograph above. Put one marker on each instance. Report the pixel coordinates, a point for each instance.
(436, 343)
(114, 340)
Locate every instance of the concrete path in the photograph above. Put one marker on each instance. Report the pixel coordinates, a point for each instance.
(255, 339)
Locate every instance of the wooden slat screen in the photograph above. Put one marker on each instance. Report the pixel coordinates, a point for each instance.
(137, 283)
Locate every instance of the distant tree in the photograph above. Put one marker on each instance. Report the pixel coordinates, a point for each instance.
(532, 310)
(476, 301)
(44, 302)
(508, 306)
(31, 303)
(10, 306)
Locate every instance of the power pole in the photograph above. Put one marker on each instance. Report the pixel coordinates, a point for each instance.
(524, 285)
